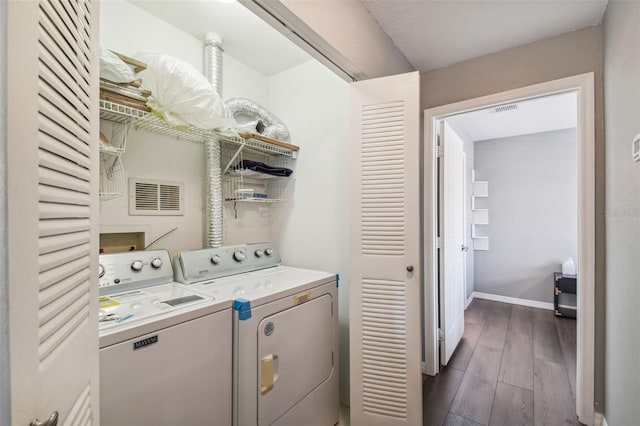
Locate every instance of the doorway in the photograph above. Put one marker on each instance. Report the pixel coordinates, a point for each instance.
(514, 352)
(582, 85)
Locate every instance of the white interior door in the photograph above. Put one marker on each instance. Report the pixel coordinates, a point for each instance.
(52, 175)
(452, 266)
(385, 351)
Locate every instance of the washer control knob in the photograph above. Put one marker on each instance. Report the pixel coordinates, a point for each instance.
(101, 270)
(215, 259)
(239, 256)
(259, 253)
(156, 262)
(137, 265)
(268, 251)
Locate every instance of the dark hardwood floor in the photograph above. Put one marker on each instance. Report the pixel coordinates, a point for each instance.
(514, 366)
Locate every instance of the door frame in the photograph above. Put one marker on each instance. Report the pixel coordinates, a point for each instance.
(465, 235)
(583, 85)
(5, 388)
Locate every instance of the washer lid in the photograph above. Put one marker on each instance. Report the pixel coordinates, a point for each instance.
(137, 311)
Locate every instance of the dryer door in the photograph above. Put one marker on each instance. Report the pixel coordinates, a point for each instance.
(295, 356)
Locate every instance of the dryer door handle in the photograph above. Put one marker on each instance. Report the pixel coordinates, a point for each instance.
(266, 374)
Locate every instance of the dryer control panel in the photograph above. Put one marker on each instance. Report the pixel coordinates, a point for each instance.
(206, 264)
(134, 269)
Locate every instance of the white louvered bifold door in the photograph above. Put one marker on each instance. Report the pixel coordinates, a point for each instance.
(52, 175)
(384, 317)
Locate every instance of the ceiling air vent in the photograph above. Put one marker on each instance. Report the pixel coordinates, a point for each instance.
(155, 198)
(505, 108)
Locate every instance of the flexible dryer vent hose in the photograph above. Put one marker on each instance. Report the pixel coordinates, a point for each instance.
(253, 117)
(213, 185)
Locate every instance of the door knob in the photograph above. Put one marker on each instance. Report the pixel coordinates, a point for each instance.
(410, 268)
(52, 421)
(464, 248)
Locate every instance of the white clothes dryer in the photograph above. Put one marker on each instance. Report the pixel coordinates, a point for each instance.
(165, 351)
(285, 333)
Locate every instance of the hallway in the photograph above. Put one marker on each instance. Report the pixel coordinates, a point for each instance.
(515, 365)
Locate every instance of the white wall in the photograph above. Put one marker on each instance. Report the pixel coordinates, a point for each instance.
(622, 110)
(154, 156)
(311, 228)
(533, 212)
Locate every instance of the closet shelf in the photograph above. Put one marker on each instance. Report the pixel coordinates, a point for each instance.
(110, 150)
(144, 120)
(480, 188)
(252, 174)
(479, 217)
(256, 200)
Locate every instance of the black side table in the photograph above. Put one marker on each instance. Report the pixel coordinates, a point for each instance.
(564, 284)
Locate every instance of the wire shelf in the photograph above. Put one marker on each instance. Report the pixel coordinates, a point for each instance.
(113, 142)
(255, 200)
(144, 120)
(113, 137)
(112, 179)
(244, 185)
(272, 191)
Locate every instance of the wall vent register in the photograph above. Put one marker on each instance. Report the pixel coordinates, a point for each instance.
(155, 198)
(505, 108)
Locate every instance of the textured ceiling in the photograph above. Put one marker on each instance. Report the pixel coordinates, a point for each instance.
(435, 34)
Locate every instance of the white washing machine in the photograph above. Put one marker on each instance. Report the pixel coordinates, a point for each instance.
(285, 333)
(165, 351)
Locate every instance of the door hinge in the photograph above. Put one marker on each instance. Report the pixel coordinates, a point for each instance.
(440, 334)
(438, 242)
(439, 151)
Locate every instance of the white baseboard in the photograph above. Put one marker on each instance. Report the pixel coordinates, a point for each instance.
(599, 420)
(468, 302)
(513, 300)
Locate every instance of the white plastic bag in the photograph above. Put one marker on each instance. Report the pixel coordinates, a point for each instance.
(181, 95)
(569, 267)
(113, 68)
